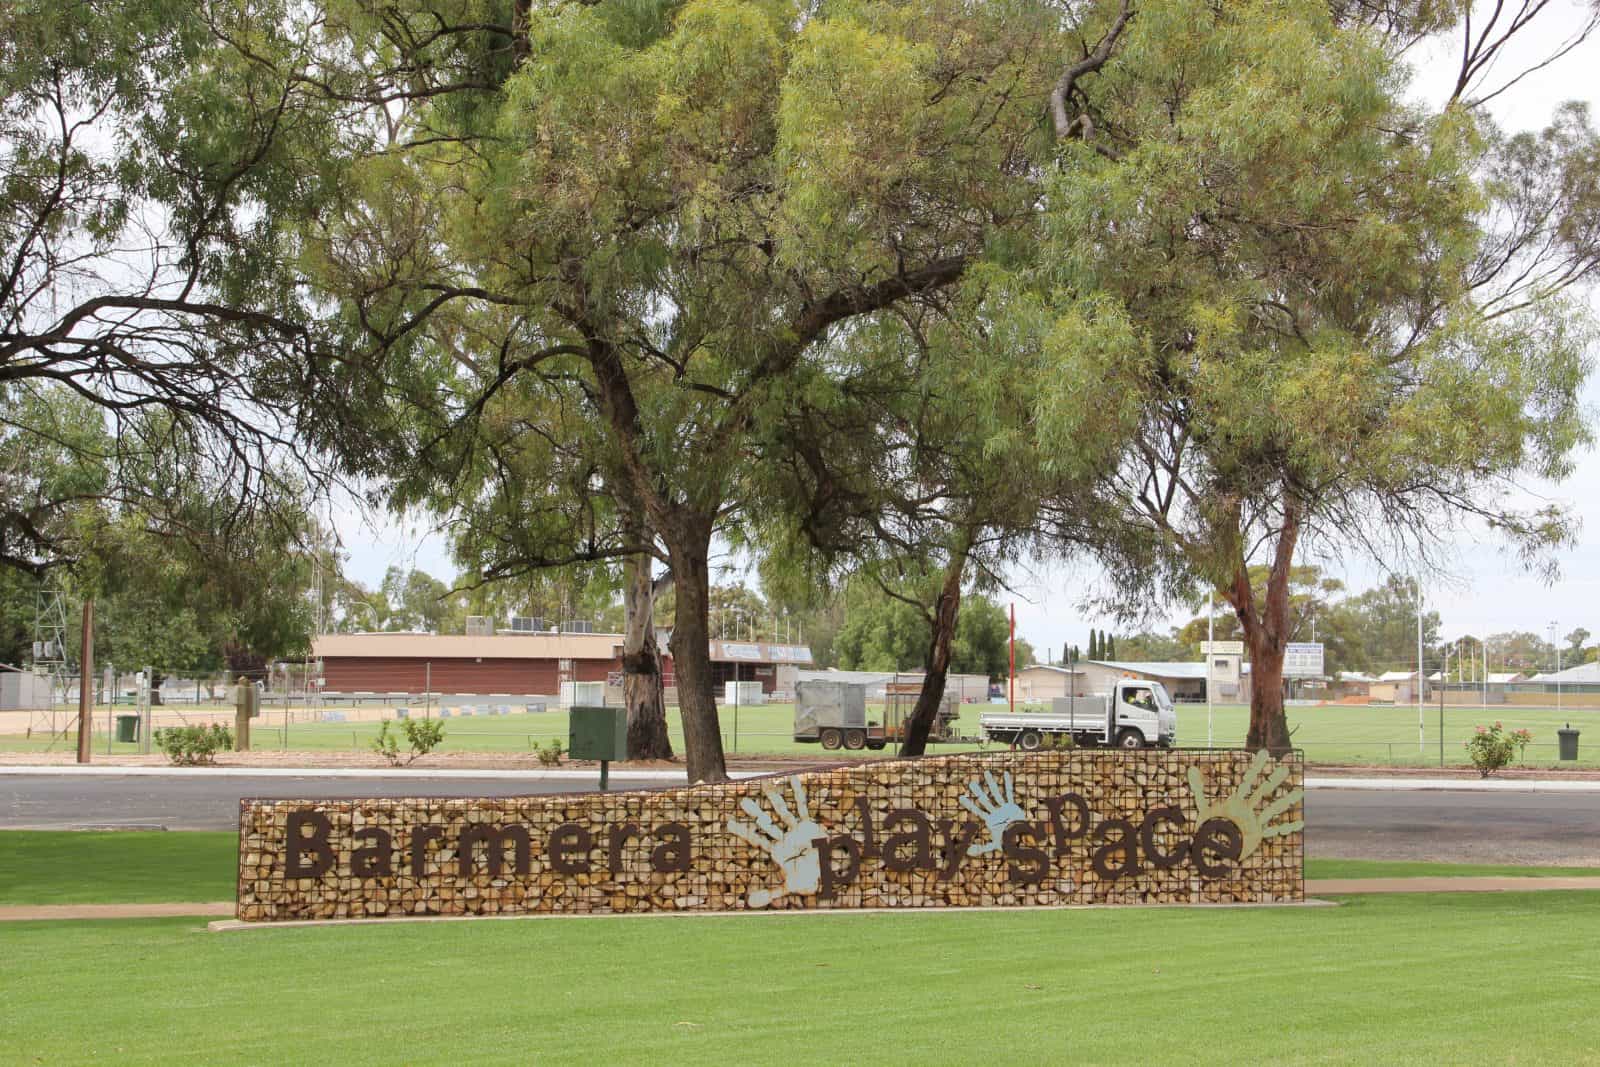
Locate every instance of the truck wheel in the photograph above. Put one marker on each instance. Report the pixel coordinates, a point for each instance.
(831, 738)
(1130, 739)
(876, 746)
(855, 739)
(1029, 740)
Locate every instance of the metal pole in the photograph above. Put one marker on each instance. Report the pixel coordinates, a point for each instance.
(736, 705)
(1211, 638)
(1441, 723)
(86, 684)
(1552, 629)
(1011, 678)
(1421, 740)
(1483, 646)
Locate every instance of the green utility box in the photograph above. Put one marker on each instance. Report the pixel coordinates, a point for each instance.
(598, 733)
(127, 729)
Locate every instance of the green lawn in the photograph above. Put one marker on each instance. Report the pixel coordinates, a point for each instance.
(1333, 734)
(140, 867)
(116, 867)
(1469, 979)
(1335, 868)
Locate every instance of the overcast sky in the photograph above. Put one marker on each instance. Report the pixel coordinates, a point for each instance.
(1488, 593)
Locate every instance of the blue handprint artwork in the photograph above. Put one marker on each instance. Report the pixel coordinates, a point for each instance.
(997, 809)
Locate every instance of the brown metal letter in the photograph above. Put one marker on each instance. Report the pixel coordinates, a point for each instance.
(497, 837)
(1028, 866)
(419, 848)
(1219, 837)
(569, 849)
(619, 837)
(920, 839)
(675, 855)
(1057, 824)
(1127, 843)
(830, 877)
(1147, 838)
(295, 865)
(376, 860)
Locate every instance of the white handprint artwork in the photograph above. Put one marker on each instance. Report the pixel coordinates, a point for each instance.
(789, 846)
(997, 810)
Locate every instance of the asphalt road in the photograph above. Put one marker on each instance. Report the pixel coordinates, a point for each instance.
(1459, 827)
(66, 802)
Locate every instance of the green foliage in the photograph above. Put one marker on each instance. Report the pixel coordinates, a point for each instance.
(550, 752)
(192, 746)
(881, 633)
(422, 736)
(1491, 748)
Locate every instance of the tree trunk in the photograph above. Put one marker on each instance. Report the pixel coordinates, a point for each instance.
(156, 678)
(642, 689)
(945, 611)
(691, 655)
(1266, 631)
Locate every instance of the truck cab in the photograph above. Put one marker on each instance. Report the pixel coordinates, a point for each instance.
(1141, 714)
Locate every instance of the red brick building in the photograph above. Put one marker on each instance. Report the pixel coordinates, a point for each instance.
(521, 663)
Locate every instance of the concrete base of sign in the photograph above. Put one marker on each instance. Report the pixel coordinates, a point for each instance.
(226, 925)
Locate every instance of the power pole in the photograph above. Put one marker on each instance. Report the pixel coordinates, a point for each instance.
(86, 683)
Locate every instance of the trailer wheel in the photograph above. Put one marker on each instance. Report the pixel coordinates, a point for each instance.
(831, 738)
(1130, 739)
(877, 746)
(1029, 740)
(855, 739)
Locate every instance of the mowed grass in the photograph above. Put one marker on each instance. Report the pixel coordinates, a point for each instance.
(117, 867)
(1330, 734)
(1461, 979)
(146, 867)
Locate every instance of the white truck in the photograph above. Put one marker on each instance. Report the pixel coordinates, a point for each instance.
(1135, 714)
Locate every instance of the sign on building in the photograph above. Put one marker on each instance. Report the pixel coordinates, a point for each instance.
(1303, 659)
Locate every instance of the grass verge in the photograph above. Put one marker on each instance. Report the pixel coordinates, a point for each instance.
(1466, 979)
(150, 867)
(116, 867)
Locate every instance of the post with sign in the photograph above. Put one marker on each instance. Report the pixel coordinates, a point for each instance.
(1302, 659)
(1226, 655)
(246, 706)
(598, 733)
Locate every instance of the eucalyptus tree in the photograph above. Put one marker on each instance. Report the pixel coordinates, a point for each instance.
(662, 213)
(129, 178)
(1315, 315)
(908, 462)
(533, 503)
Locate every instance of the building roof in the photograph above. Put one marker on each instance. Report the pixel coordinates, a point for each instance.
(1047, 667)
(528, 646)
(1157, 668)
(1583, 672)
(1355, 676)
(1502, 677)
(1397, 676)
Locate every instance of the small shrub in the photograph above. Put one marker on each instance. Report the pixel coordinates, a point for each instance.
(550, 752)
(192, 746)
(1522, 739)
(1491, 748)
(1059, 742)
(422, 736)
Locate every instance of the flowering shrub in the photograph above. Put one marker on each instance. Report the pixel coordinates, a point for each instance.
(1492, 747)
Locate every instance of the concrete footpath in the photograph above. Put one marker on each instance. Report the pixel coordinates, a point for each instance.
(1316, 887)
